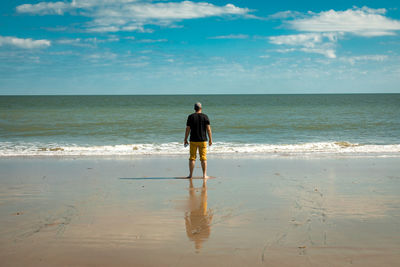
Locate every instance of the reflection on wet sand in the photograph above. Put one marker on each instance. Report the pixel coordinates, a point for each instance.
(198, 218)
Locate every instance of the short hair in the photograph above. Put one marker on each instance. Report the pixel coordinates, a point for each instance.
(197, 106)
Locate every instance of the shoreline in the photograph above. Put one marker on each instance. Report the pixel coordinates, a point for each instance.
(210, 155)
(313, 149)
(257, 211)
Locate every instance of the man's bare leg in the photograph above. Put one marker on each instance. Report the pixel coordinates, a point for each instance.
(191, 168)
(204, 167)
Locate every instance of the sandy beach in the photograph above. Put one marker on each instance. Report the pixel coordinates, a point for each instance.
(127, 211)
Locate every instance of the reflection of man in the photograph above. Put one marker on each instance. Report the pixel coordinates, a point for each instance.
(198, 219)
(198, 125)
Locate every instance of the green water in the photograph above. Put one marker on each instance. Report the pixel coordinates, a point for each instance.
(242, 119)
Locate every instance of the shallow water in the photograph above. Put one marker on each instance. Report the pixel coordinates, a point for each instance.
(120, 125)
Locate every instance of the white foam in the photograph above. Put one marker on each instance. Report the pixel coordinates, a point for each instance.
(38, 149)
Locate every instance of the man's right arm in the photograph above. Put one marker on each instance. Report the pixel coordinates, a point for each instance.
(209, 135)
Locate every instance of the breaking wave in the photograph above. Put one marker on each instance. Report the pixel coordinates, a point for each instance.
(8, 149)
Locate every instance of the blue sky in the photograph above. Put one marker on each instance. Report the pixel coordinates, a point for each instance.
(192, 47)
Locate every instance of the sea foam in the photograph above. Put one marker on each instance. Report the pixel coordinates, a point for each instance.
(53, 149)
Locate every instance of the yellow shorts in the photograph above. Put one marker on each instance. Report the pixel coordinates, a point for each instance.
(202, 146)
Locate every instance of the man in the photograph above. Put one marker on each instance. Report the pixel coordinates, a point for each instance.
(198, 125)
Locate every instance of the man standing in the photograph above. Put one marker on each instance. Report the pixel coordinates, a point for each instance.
(198, 125)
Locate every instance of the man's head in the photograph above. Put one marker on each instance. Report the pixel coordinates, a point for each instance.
(197, 106)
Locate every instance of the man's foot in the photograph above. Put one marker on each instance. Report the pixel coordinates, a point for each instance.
(189, 176)
(206, 177)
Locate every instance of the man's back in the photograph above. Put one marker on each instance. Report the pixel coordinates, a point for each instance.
(198, 126)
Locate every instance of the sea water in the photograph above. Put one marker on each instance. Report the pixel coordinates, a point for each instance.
(244, 124)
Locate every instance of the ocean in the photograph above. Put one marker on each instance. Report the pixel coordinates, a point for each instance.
(351, 124)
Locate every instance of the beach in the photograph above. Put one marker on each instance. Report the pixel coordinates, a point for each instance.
(257, 211)
(292, 109)
(298, 180)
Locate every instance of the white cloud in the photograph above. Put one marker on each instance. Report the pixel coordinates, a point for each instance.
(307, 39)
(69, 41)
(98, 57)
(24, 43)
(59, 8)
(320, 43)
(359, 21)
(45, 8)
(130, 28)
(286, 50)
(130, 15)
(327, 52)
(87, 42)
(91, 3)
(104, 29)
(182, 10)
(152, 41)
(352, 60)
(285, 15)
(231, 36)
(323, 29)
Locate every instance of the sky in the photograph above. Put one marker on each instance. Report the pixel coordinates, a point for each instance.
(111, 47)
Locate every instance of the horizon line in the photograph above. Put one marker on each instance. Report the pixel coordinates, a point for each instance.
(197, 94)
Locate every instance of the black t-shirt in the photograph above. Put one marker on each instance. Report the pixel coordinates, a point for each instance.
(198, 126)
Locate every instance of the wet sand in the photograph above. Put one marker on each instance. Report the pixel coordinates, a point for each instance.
(256, 212)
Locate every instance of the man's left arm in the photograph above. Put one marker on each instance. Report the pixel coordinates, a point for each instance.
(186, 135)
